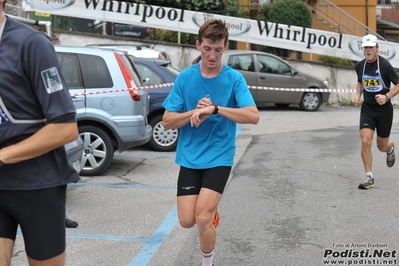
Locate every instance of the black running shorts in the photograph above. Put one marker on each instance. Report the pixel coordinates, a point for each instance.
(380, 121)
(190, 181)
(41, 217)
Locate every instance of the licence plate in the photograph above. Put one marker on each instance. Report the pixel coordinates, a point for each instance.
(77, 166)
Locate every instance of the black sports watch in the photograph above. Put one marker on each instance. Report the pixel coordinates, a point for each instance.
(216, 108)
(387, 98)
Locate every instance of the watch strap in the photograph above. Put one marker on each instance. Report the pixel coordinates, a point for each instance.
(216, 108)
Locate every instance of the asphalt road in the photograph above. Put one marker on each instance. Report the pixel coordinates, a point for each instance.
(292, 199)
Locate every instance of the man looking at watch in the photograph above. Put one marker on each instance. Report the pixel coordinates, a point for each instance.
(206, 102)
(375, 75)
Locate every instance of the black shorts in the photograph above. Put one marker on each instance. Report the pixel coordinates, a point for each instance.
(380, 120)
(190, 181)
(41, 217)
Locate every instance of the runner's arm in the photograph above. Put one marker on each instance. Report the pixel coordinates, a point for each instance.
(48, 138)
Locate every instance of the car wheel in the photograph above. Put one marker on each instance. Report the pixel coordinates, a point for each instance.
(281, 105)
(98, 150)
(161, 139)
(310, 101)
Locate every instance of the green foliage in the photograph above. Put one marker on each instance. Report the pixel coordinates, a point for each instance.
(336, 61)
(264, 11)
(288, 12)
(171, 36)
(291, 12)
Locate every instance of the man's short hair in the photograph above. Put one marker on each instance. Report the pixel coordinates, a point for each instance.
(213, 30)
(4, 3)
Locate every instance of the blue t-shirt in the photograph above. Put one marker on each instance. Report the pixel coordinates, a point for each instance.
(212, 144)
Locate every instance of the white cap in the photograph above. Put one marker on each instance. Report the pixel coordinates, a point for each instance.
(369, 40)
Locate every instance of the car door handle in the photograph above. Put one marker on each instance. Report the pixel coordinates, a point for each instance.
(75, 99)
(262, 77)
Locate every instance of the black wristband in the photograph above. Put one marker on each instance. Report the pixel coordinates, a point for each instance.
(216, 108)
(387, 98)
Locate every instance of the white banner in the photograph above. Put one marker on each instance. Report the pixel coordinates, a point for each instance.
(258, 32)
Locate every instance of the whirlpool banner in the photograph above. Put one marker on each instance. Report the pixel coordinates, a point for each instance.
(244, 30)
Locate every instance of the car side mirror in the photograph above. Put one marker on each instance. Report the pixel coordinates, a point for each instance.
(294, 73)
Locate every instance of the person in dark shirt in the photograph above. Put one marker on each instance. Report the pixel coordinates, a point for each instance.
(37, 118)
(374, 76)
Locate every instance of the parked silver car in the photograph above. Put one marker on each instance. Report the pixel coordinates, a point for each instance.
(267, 70)
(154, 72)
(111, 110)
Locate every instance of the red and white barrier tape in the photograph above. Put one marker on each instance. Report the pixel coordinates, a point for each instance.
(251, 87)
(122, 90)
(301, 89)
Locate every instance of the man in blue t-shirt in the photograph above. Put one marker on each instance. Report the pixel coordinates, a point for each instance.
(206, 102)
(37, 118)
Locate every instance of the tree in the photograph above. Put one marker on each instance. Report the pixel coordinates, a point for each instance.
(291, 12)
(288, 12)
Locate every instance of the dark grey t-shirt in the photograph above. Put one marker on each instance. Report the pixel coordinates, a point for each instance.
(32, 93)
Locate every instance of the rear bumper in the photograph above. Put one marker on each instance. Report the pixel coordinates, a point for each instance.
(132, 131)
(138, 142)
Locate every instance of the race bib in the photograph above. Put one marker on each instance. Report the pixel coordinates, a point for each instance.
(372, 83)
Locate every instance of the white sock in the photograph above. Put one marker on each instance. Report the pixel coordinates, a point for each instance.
(207, 258)
(391, 150)
(370, 174)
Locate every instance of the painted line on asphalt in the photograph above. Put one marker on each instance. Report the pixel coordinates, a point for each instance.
(81, 184)
(156, 240)
(103, 237)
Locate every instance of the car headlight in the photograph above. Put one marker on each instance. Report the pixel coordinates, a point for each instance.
(326, 83)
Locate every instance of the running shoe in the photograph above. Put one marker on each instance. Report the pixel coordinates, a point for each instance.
(216, 219)
(70, 224)
(391, 156)
(367, 183)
